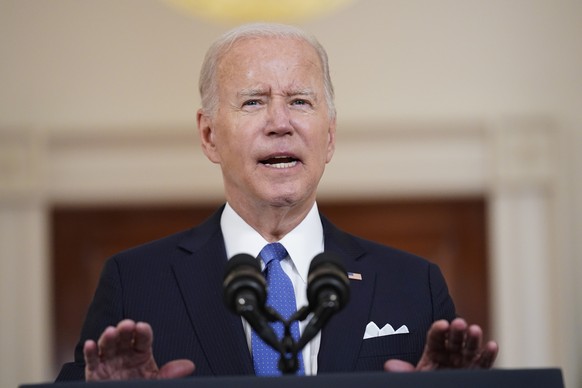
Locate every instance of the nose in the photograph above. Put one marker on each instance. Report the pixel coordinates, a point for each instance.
(279, 118)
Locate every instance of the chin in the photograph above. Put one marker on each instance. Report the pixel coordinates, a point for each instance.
(281, 198)
(283, 201)
(289, 199)
(288, 194)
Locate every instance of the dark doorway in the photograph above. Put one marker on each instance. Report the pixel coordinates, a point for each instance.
(451, 233)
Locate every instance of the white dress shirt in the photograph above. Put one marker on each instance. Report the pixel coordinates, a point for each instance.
(303, 243)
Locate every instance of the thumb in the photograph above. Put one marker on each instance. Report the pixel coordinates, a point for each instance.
(176, 369)
(398, 366)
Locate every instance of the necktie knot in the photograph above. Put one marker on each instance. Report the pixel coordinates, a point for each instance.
(273, 251)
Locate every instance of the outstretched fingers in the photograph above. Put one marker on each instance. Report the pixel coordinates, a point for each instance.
(125, 352)
(91, 353)
(436, 348)
(472, 344)
(488, 355)
(122, 352)
(454, 345)
(143, 337)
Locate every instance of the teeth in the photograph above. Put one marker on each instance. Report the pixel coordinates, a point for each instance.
(283, 165)
(280, 162)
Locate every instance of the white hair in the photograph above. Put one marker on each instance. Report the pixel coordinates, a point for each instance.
(208, 80)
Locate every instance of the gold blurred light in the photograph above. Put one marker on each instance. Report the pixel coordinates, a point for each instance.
(286, 11)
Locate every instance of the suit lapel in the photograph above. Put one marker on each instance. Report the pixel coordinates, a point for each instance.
(199, 275)
(342, 337)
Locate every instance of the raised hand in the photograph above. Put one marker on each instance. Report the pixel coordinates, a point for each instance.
(124, 352)
(454, 345)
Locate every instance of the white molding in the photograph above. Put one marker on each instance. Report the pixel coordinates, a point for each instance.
(522, 218)
(167, 166)
(21, 164)
(25, 297)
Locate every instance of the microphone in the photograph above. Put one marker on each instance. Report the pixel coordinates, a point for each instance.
(328, 291)
(245, 293)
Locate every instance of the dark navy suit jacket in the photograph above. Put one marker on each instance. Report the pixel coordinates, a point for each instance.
(175, 284)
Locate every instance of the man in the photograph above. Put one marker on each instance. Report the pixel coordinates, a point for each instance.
(268, 119)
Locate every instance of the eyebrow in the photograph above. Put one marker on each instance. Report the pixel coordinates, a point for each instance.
(255, 92)
(301, 92)
(252, 92)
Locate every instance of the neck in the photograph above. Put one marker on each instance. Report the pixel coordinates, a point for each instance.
(272, 222)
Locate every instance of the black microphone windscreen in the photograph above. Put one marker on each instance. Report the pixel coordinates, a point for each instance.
(325, 258)
(243, 275)
(240, 260)
(326, 272)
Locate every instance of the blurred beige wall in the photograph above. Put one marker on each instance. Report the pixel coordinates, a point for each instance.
(72, 71)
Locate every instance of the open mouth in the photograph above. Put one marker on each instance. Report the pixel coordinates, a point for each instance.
(280, 162)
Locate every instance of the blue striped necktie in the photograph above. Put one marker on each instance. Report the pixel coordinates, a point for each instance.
(280, 297)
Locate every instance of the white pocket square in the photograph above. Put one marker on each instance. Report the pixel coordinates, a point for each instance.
(373, 331)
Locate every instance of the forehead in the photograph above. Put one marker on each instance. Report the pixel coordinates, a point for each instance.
(259, 58)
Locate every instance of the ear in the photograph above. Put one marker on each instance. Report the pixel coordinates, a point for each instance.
(331, 140)
(206, 133)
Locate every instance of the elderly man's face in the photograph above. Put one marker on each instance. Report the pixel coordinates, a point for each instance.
(272, 134)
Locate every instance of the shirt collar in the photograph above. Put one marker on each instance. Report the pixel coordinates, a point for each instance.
(302, 243)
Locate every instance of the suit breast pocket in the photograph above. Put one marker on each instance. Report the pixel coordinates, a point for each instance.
(375, 351)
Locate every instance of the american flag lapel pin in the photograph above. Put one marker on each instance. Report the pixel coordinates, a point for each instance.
(354, 276)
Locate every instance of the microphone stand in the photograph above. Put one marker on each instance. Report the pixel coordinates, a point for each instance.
(245, 294)
(289, 363)
(287, 347)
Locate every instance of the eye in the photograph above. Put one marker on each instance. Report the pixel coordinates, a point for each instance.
(300, 101)
(252, 102)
